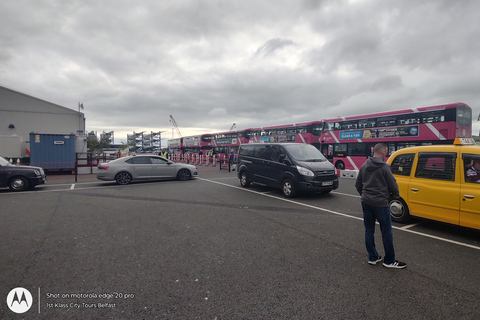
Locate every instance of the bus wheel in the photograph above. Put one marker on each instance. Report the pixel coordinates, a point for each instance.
(399, 210)
(340, 165)
(289, 190)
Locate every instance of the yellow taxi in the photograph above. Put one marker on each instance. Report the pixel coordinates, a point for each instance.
(438, 182)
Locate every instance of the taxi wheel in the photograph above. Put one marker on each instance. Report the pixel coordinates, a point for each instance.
(399, 210)
(289, 190)
(19, 184)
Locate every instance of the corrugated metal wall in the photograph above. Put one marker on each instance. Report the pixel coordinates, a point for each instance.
(52, 151)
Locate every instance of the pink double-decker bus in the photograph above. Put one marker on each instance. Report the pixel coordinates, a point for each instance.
(175, 146)
(195, 144)
(349, 141)
(224, 142)
(307, 132)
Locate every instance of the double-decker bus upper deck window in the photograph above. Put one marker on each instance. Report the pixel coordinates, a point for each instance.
(329, 126)
(408, 119)
(435, 116)
(302, 130)
(347, 125)
(292, 130)
(366, 123)
(315, 129)
(386, 121)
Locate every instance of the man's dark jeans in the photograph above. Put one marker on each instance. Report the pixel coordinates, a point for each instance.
(382, 215)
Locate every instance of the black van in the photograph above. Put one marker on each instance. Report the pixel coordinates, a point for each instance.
(292, 167)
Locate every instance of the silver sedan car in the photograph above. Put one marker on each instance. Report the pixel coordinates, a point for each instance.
(143, 167)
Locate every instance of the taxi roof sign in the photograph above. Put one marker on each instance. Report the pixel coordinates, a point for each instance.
(464, 141)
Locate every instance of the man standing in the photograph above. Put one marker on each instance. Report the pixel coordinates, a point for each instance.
(376, 184)
(231, 161)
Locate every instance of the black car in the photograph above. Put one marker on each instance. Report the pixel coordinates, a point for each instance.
(292, 167)
(20, 178)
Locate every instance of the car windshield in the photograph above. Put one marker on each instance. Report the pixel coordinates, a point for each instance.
(305, 152)
(3, 161)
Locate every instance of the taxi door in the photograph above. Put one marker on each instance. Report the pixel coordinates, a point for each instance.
(433, 192)
(469, 198)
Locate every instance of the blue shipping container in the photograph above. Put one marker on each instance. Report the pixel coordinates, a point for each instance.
(52, 151)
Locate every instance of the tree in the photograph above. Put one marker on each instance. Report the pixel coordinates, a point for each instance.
(96, 146)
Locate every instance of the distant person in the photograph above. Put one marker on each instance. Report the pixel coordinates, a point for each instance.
(231, 161)
(473, 174)
(376, 184)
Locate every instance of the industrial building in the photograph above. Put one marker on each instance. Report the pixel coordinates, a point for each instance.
(22, 114)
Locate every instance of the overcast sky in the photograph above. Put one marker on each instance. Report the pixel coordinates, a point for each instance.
(212, 63)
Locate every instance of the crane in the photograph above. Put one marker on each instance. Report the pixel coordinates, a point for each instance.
(179, 133)
(233, 126)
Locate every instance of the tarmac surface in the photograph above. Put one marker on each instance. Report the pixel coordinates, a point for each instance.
(209, 249)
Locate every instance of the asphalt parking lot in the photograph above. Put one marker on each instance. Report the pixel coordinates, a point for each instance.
(208, 249)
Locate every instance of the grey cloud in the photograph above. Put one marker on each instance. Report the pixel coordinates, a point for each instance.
(263, 62)
(273, 45)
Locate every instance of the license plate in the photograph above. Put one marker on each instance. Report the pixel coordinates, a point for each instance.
(328, 183)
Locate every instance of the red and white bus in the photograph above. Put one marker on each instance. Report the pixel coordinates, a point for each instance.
(307, 132)
(195, 144)
(175, 146)
(224, 142)
(349, 141)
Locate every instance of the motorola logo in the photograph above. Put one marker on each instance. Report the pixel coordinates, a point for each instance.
(19, 300)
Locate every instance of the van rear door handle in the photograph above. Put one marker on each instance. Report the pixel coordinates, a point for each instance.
(468, 196)
(414, 189)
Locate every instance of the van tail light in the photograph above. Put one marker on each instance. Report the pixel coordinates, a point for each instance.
(103, 168)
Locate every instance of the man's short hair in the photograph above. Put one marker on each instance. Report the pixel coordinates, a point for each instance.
(379, 147)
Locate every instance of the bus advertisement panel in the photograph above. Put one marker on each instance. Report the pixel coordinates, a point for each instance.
(348, 141)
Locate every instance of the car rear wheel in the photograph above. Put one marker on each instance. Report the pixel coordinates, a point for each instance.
(399, 210)
(244, 182)
(123, 178)
(289, 190)
(19, 184)
(184, 175)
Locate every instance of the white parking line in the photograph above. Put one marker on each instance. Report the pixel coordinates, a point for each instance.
(346, 194)
(409, 226)
(346, 215)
